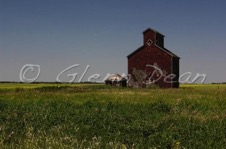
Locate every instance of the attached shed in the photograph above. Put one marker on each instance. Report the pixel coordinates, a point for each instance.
(153, 63)
(116, 80)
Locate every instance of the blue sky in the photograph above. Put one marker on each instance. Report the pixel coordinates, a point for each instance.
(55, 34)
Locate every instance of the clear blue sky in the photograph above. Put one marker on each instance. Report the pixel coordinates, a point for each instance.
(56, 34)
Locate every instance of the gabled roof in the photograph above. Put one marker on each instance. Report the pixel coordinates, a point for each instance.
(169, 52)
(150, 29)
(163, 49)
(135, 51)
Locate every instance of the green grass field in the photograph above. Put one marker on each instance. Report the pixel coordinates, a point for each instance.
(99, 116)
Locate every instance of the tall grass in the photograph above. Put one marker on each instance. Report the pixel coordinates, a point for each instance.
(98, 116)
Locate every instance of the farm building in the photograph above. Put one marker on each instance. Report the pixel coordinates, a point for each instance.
(152, 63)
(116, 80)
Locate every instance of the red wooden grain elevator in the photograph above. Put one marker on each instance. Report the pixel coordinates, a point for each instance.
(144, 61)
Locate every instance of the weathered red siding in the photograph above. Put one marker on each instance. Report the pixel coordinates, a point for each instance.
(153, 54)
